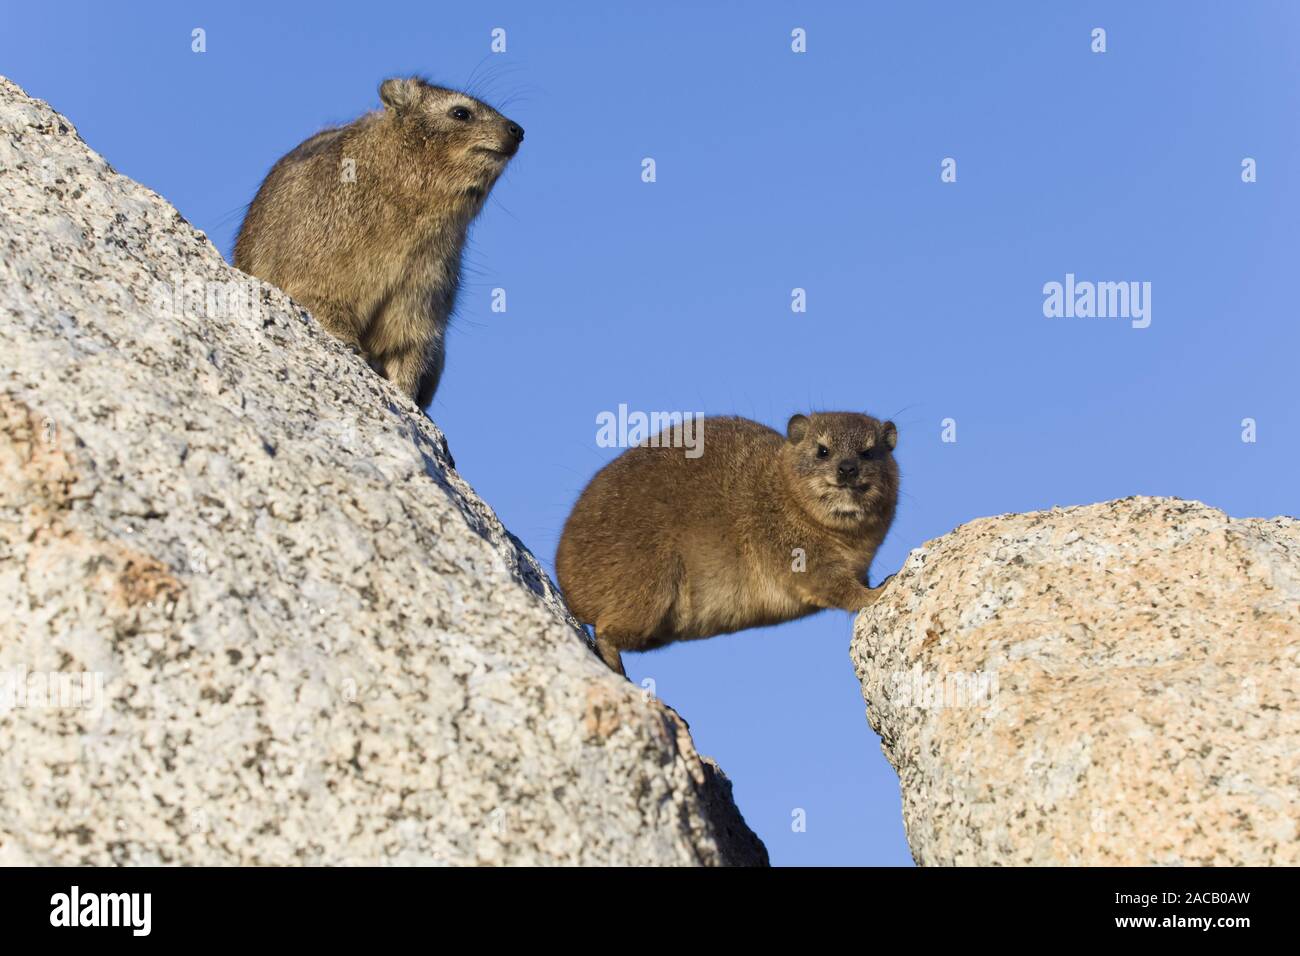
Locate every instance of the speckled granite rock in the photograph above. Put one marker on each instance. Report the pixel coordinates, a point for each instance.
(307, 639)
(1110, 684)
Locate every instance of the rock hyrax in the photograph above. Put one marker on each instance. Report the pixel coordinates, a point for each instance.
(364, 224)
(757, 530)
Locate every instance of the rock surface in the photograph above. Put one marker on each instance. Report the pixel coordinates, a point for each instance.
(1100, 685)
(305, 638)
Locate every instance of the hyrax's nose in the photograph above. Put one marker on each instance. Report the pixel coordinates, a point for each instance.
(515, 131)
(848, 468)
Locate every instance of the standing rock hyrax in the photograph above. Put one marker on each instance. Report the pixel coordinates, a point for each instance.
(364, 224)
(756, 530)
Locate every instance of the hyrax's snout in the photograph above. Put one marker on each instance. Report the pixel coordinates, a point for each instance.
(848, 469)
(514, 136)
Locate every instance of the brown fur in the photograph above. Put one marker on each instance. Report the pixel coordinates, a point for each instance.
(663, 548)
(377, 260)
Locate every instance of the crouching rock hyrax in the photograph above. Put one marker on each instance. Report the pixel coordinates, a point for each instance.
(364, 224)
(756, 530)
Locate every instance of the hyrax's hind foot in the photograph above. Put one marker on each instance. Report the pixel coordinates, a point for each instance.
(609, 654)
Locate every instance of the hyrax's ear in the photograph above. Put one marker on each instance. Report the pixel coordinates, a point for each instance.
(797, 427)
(399, 94)
(890, 433)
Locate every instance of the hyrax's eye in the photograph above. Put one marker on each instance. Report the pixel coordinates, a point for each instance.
(460, 113)
(866, 454)
(823, 451)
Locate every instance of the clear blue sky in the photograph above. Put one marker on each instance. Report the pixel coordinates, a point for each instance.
(777, 171)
